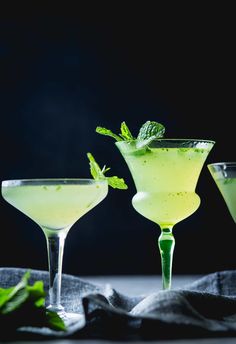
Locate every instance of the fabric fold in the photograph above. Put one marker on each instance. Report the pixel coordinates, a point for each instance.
(204, 308)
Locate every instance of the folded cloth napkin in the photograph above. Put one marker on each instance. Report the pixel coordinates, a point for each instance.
(204, 308)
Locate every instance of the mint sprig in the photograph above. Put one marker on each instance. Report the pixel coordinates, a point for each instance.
(99, 174)
(124, 135)
(108, 132)
(24, 305)
(148, 132)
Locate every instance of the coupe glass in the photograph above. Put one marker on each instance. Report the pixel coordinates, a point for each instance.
(165, 174)
(55, 205)
(224, 175)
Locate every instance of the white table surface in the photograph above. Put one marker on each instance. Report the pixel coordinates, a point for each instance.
(137, 285)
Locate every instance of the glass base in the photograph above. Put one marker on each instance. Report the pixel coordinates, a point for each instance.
(71, 318)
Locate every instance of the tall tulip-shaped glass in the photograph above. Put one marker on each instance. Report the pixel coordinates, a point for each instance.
(165, 173)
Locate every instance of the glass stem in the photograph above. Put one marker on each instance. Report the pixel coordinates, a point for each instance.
(55, 249)
(166, 243)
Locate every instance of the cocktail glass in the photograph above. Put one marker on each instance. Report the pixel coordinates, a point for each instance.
(165, 174)
(55, 205)
(224, 175)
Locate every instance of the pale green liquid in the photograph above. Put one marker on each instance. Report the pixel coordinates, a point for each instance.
(55, 206)
(227, 187)
(165, 179)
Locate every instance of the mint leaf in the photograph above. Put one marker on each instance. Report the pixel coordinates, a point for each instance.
(55, 321)
(15, 302)
(4, 295)
(37, 293)
(125, 132)
(24, 305)
(99, 174)
(117, 183)
(95, 169)
(151, 129)
(107, 132)
(9, 298)
(228, 180)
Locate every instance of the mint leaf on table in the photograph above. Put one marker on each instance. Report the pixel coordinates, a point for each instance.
(15, 302)
(12, 298)
(55, 322)
(24, 305)
(99, 174)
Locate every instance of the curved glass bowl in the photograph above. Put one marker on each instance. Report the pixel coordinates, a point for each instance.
(224, 175)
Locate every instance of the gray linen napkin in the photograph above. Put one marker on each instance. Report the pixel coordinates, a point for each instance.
(204, 308)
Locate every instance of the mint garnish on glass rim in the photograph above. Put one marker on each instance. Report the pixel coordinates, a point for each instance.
(99, 174)
(148, 132)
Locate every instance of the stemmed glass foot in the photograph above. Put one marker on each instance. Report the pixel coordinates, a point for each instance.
(71, 318)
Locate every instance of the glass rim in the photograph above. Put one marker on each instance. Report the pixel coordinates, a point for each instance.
(223, 163)
(51, 181)
(171, 139)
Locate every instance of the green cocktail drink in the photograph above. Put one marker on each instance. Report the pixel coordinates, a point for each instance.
(227, 188)
(224, 175)
(165, 173)
(55, 205)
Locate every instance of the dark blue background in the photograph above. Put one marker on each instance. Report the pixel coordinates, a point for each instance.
(62, 75)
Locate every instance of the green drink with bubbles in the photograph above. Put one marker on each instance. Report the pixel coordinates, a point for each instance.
(165, 173)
